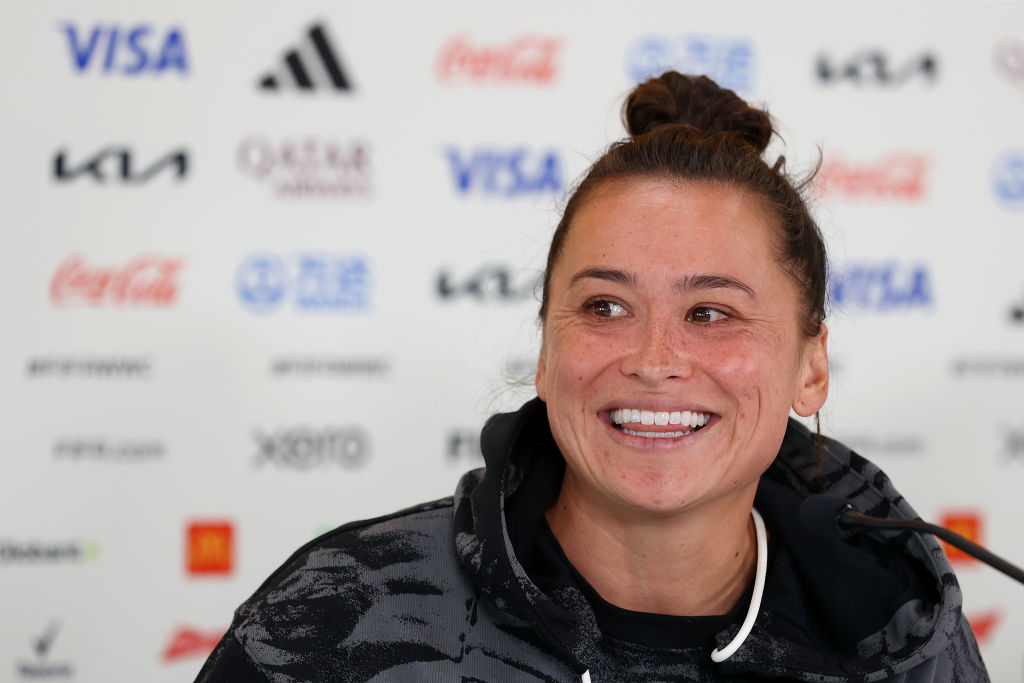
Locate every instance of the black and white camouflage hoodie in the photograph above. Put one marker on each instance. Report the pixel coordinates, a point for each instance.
(438, 593)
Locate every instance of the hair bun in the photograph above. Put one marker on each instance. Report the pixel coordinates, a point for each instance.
(675, 98)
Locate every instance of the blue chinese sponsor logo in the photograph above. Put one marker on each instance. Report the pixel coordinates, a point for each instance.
(514, 172)
(1008, 179)
(729, 60)
(881, 287)
(130, 50)
(310, 282)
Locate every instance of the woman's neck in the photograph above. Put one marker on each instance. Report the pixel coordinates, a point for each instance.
(698, 562)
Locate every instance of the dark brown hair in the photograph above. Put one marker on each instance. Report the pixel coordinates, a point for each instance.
(688, 128)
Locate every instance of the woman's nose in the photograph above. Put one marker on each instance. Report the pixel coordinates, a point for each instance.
(659, 354)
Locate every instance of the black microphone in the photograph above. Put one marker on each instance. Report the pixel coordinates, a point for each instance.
(830, 517)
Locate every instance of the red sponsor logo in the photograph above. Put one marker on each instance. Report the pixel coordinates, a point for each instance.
(529, 58)
(147, 280)
(209, 548)
(898, 176)
(968, 525)
(190, 642)
(984, 624)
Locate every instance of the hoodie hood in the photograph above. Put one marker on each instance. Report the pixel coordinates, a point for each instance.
(867, 607)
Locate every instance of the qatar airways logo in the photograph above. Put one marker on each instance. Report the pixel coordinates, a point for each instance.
(896, 176)
(881, 287)
(308, 166)
(145, 281)
(527, 59)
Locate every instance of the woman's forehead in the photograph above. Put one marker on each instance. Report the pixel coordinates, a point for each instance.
(657, 221)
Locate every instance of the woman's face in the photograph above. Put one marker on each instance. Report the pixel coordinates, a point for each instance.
(668, 311)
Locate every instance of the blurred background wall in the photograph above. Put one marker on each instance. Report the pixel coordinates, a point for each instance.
(267, 268)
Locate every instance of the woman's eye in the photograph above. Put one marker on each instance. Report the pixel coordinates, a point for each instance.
(706, 314)
(606, 309)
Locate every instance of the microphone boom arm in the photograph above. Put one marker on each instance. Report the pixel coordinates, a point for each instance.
(851, 517)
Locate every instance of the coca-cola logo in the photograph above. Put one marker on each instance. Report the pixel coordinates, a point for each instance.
(1008, 58)
(527, 59)
(897, 176)
(147, 280)
(308, 166)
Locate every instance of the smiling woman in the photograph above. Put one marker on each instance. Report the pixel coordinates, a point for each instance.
(640, 519)
(667, 300)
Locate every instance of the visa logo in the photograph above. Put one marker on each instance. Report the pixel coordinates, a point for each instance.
(129, 50)
(881, 287)
(505, 172)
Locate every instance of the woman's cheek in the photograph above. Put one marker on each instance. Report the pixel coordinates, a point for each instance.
(583, 352)
(731, 358)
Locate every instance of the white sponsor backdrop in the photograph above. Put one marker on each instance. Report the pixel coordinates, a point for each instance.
(339, 284)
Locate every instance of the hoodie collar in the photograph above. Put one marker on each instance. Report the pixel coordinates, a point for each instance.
(785, 640)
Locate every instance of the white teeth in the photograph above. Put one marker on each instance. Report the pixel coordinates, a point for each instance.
(656, 435)
(684, 418)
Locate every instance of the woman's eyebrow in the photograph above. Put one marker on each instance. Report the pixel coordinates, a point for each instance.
(609, 274)
(690, 282)
(712, 282)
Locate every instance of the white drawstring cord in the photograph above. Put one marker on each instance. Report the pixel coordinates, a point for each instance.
(755, 599)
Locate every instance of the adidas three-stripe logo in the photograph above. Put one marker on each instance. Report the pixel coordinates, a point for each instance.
(311, 65)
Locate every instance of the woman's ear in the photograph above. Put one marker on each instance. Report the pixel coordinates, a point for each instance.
(542, 367)
(813, 387)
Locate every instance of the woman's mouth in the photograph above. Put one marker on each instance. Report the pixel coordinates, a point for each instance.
(632, 422)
